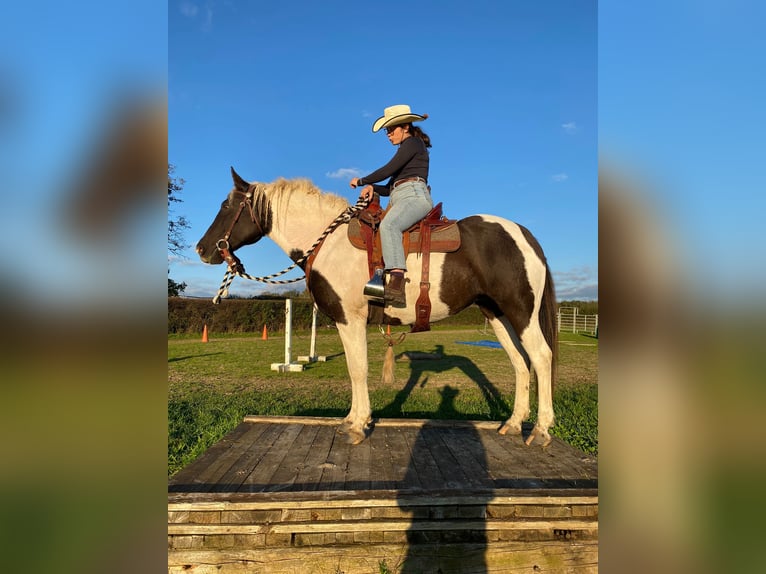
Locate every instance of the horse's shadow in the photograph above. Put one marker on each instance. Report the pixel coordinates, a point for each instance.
(439, 362)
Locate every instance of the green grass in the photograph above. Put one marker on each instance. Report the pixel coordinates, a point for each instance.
(212, 386)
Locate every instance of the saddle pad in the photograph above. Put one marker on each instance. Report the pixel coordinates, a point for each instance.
(444, 238)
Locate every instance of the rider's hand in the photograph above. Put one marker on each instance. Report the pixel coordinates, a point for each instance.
(354, 182)
(367, 193)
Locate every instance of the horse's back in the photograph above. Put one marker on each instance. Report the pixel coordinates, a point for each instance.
(490, 239)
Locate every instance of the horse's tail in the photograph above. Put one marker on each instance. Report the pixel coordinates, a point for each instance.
(548, 321)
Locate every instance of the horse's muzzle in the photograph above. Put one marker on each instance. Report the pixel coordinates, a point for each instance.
(207, 257)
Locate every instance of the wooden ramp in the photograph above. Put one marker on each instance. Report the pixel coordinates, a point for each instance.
(290, 495)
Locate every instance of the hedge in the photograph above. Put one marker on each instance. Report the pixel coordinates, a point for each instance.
(250, 315)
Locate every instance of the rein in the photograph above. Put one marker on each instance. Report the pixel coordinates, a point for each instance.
(235, 267)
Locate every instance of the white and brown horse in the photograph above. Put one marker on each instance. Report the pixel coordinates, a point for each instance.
(500, 267)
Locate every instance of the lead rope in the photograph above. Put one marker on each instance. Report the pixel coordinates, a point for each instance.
(228, 277)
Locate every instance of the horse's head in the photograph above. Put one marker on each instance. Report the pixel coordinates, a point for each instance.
(244, 217)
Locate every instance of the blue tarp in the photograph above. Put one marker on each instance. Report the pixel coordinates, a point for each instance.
(483, 343)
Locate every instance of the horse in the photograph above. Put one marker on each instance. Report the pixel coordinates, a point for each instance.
(500, 267)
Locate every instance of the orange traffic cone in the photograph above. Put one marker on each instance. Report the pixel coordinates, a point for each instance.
(265, 335)
(204, 334)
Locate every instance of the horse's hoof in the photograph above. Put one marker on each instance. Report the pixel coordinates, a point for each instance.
(356, 437)
(538, 435)
(514, 429)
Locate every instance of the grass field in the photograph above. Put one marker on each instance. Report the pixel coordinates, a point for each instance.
(213, 385)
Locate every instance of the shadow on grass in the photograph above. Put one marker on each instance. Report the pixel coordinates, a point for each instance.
(419, 374)
(176, 359)
(312, 365)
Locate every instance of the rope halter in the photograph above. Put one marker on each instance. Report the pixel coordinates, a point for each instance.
(235, 267)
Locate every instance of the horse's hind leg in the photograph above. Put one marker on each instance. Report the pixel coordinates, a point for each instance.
(541, 356)
(511, 344)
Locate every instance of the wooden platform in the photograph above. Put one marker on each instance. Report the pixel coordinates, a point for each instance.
(291, 495)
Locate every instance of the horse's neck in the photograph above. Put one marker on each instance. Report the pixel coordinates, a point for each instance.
(298, 223)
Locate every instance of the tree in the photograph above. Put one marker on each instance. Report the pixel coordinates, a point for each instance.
(176, 227)
(174, 288)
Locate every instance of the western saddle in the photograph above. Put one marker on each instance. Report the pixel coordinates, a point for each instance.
(433, 233)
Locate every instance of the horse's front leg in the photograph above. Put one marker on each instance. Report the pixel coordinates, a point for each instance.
(353, 335)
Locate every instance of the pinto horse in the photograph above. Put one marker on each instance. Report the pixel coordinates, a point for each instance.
(499, 266)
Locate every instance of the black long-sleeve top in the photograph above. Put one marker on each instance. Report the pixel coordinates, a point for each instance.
(410, 160)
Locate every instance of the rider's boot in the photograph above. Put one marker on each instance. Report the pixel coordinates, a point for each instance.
(394, 291)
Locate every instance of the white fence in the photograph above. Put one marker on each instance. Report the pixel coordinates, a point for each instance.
(570, 321)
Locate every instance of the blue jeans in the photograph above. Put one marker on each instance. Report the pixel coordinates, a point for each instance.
(409, 203)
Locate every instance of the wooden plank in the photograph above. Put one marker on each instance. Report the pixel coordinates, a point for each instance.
(251, 454)
(334, 469)
(358, 473)
(430, 441)
(295, 460)
(508, 457)
(526, 463)
(506, 557)
(259, 479)
(309, 477)
(439, 456)
(401, 423)
(425, 466)
(381, 475)
(362, 499)
(322, 421)
(573, 464)
(386, 525)
(405, 477)
(466, 447)
(207, 459)
(204, 475)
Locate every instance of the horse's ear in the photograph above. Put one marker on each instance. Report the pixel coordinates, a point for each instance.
(239, 183)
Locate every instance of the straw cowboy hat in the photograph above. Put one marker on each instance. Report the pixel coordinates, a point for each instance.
(396, 115)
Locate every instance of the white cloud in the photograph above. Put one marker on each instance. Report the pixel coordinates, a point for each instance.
(344, 173)
(576, 283)
(559, 177)
(189, 9)
(569, 127)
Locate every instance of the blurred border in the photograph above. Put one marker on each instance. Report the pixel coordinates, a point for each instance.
(83, 408)
(682, 321)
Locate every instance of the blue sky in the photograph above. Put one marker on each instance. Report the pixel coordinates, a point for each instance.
(291, 89)
(682, 116)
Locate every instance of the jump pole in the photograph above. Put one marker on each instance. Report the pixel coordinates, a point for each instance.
(312, 358)
(288, 365)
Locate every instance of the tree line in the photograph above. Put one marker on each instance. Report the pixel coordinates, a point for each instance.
(251, 315)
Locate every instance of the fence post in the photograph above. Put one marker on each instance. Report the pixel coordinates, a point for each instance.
(312, 357)
(287, 366)
(574, 320)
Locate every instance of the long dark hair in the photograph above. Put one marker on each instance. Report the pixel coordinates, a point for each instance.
(418, 133)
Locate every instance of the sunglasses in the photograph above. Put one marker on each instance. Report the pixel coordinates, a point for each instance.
(392, 129)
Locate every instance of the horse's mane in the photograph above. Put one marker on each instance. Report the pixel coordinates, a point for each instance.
(282, 192)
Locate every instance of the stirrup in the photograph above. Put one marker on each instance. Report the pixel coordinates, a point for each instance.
(374, 289)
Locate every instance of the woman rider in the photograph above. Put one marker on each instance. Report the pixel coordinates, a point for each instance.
(407, 189)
